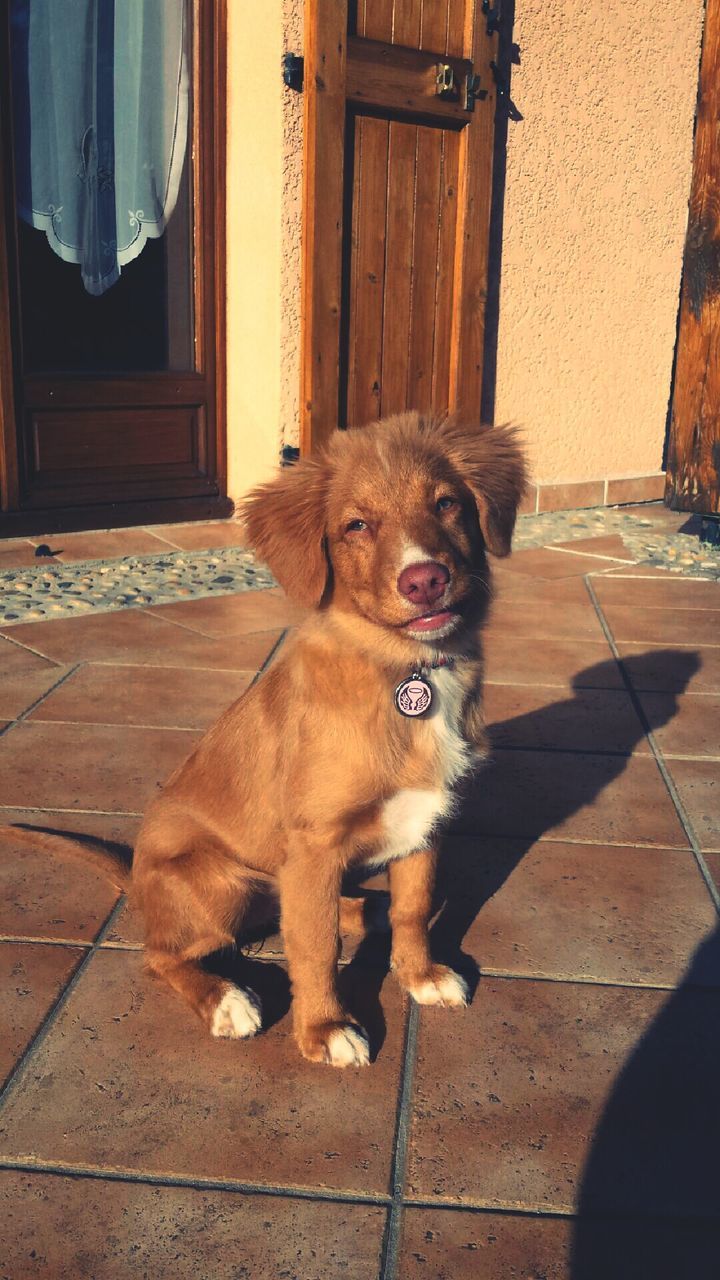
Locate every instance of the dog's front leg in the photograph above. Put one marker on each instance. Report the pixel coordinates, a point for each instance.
(412, 881)
(309, 904)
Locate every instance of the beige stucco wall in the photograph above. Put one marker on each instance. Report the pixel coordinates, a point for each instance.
(598, 174)
(254, 241)
(264, 194)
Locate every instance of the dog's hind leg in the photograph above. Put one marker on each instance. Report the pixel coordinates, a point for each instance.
(366, 914)
(193, 905)
(229, 1011)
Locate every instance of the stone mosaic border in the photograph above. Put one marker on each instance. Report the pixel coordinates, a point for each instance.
(70, 590)
(647, 542)
(97, 586)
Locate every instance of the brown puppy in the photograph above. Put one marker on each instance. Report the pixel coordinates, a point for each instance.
(316, 770)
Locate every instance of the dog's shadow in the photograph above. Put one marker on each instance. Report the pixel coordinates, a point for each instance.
(470, 874)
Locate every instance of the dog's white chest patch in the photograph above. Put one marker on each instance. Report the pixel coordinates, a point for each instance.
(411, 815)
(408, 818)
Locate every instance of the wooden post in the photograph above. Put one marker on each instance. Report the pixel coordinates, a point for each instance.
(693, 477)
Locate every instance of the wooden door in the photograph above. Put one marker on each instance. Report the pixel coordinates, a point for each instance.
(693, 474)
(112, 408)
(399, 119)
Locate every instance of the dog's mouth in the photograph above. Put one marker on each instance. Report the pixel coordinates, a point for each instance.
(439, 620)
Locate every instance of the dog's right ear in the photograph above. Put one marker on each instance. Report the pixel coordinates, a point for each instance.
(285, 521)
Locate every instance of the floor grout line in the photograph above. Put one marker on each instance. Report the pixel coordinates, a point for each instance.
(53, 1013)
(27, 940)
(150, 611)
(166, 666)
(600, 688)
(588, 555)
(391, 1244)
(12, 724)
(162, 539)
(680, 810)
(481, 1206)
(573, 840)
(116, 724)
(154, 666)
(100, 813)
(28, 648)
(654, 577)
(606, 983)
(633, 754)
(278, 958)
(69, 671)
(559, 838)
(97, 1172)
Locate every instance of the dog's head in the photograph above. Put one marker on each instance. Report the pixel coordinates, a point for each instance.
(393, 521)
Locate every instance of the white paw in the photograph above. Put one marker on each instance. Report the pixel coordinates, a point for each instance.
(450, 990)
(238, 1015)
(347, 1047)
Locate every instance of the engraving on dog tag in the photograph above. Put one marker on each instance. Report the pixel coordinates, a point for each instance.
(413, 696)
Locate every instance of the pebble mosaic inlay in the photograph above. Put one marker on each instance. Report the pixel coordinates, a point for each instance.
(647, 542)
(53, 590)
(67, 590)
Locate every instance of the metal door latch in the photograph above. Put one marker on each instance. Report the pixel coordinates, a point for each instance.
(471, 92)
(444, 80)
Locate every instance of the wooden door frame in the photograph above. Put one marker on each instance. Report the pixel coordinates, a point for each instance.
(326, 104)
(207, 143)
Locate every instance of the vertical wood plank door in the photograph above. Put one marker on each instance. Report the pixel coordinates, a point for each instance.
(693, 475)
(399, 122)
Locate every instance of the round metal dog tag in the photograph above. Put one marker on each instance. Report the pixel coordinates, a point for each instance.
(413, 696)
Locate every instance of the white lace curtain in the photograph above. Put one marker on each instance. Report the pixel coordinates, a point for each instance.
(100, 108)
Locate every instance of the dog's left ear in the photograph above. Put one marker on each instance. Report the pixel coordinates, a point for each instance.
(285, 521)
(491, 461)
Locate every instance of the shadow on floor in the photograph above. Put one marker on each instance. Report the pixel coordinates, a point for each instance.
(655, 1151)
(464, 885)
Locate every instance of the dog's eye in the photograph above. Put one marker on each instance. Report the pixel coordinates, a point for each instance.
(444, 504)
(355, 526)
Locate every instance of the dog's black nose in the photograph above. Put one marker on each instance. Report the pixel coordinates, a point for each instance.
(423, 583)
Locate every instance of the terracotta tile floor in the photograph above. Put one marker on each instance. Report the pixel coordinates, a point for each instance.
(565, 1127)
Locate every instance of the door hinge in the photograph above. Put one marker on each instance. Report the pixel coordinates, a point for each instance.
(293, 69)
(501, 83)
(492, 16)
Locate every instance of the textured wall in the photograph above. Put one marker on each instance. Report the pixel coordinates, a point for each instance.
(254, 241)
(598, 176)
